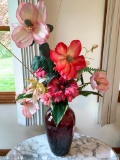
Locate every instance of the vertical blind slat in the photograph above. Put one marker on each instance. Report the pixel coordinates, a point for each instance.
(27, 57)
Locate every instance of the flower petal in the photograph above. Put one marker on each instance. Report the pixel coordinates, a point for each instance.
(29, 11)
(75, 48)
(18, 12)
(93, 82)
(79, 62)
(61, 49)
(65, 71)
(102, 74)
(60, 65)
(72, 73)
(21, 37)
(41, 11)
(103, 88)
(26, 112)
(40, 33)
(56, 58)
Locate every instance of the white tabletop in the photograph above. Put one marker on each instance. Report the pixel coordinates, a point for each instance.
(82, 147)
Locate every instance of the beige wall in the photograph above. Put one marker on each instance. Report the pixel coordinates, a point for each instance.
(78, 19)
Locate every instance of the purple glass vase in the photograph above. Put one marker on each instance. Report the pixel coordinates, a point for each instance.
(60, 137)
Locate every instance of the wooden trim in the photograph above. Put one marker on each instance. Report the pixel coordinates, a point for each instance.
(119, 97)
(116, 149)
(103, 33)
(103, 36)
(4, 28)
(3, 152)
(7, 97)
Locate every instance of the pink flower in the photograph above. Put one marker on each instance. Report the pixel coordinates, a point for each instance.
(71, 90)
(98, 80)
(60, 89)
(46, 99)
(58, 96)
(29, 108)
(32, 24)
(67, 59)
(40, 73)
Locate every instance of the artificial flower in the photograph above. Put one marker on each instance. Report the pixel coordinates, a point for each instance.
(98, 81)
(31, 25)
(28, 108)
(39, 73)
(67, 59)
(61, 89)
(46, 99)
(57, 74)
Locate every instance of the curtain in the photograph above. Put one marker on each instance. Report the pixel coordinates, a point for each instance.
(110, 63)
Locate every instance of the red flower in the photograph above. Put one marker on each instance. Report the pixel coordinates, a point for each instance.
(67, 59)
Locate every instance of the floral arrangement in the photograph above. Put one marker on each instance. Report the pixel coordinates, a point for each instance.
(56, 73)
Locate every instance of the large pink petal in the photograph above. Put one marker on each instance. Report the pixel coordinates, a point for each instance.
(102, 80)
(102, 74)
(75, 48)
(40, 33)
(56, 57)
(29, 11)
(102, 88)
(79, 62)
(60, 65)
(18, 12)
(61, 49)
(26, 112)
(21, 37)
(41, 11)
(93, 82)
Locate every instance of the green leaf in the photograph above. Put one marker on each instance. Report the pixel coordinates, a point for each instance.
(87, 93)
(50, 76)
(44, 50)
(58, 111)
(89, 69)
(50, 27)
(83, 86)
(23, 95)
(36, 63)
(45, 63)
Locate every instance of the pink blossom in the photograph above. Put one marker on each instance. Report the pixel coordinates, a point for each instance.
(46, 99)
(40, 73)
(29, 108)
(71, 90)
(58, 96)
(98, 81)
(31, 24)
(60, 89)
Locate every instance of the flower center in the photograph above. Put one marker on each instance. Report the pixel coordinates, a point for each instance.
(69, 58)
(28, 24)
(98, 83)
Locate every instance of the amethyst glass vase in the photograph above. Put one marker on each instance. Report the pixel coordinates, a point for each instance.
(60, 137)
